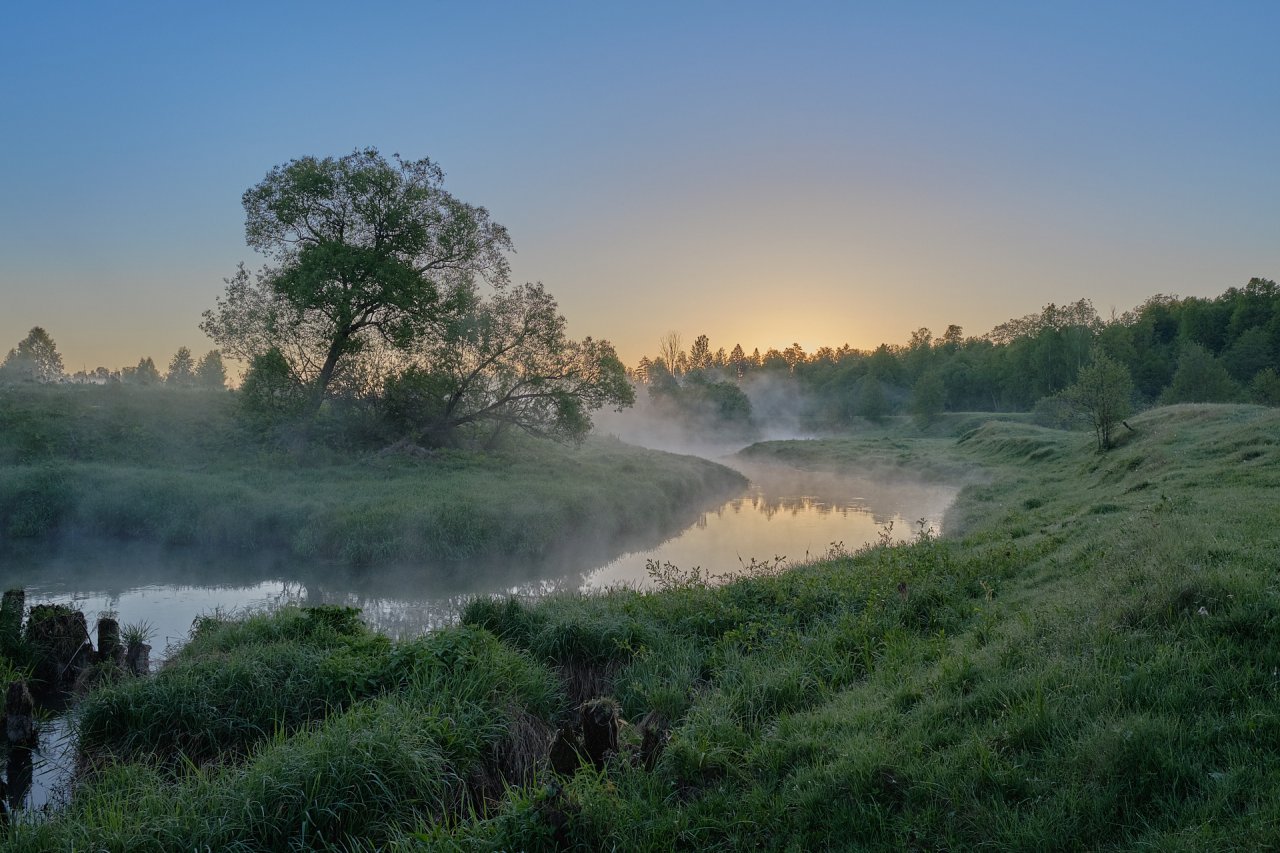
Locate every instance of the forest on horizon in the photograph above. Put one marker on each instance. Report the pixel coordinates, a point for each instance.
(1176, 349)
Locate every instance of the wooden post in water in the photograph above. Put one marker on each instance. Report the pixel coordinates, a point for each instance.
(19, 773)
(59, 637)
(19, 715)
(137, 659)
(109, 648)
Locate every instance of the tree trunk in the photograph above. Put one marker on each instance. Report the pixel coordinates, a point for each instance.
(336, 348)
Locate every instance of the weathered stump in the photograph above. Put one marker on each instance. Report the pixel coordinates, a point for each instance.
(59, 639)
(19, 775)
(600, 730)
(19, 715)
(109, 648)
(654, 734)
(566, 752)
(137, 659)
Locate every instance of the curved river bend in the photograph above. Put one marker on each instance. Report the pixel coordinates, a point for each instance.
(785, 514)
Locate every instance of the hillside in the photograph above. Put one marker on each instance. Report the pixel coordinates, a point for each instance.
(1090, 662)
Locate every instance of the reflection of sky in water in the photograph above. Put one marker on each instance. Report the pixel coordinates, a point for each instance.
(168, 610)
(787, 513)
(784, 513)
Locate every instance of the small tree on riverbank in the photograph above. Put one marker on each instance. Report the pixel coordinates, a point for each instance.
(1102, 394)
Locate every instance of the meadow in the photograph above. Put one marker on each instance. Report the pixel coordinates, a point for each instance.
(180, 468)
(1088, 660)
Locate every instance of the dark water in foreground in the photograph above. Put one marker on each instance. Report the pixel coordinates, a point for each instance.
(784, 513)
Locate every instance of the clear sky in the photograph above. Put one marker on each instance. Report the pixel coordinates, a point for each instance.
(762, 173)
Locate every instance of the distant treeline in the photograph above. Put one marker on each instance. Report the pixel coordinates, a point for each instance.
(1224, 349)
(36, 359)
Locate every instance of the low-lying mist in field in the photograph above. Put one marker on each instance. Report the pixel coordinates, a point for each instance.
(777, 411)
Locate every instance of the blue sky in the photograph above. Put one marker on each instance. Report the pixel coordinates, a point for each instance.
(762, 173)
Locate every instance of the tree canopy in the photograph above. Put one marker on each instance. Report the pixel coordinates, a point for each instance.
(1102, 393)
(361, 251)
(34, 359)
(372, 295)
(181, 369)
(210, 373)
(507, 363)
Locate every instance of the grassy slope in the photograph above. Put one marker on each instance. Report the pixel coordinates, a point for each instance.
(175, 468)
(1091, 664)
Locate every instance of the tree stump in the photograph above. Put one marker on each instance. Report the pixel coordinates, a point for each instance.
(109, 648)
(19, 772)
(19, 715)
(600, 730)
(654, 734)
(565, 754)
(137, 660)
(59, 638)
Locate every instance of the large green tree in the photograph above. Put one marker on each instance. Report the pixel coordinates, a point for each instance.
(362, 252)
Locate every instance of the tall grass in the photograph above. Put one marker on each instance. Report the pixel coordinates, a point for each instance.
(1091, 664)
(175, 469)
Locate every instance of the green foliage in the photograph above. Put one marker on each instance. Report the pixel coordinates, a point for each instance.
(1200, 378)
(700, 404)
(1022, 360)
(420, 727)
(928, 398)
(271, 395)
(35, 359)
(181, 370)
(145, 374)
(872, 403)
(1101, 394)
(35, 501)
(210, 373)
(1091, 657)
(179, 469)
(507, 363)
(1265, 387)
(980, 691)
(367, 252)
(373, 299)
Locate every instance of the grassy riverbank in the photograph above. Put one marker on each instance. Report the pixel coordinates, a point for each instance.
(177, 468)
(1089, 662)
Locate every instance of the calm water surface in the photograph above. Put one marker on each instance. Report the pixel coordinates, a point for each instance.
(784, 513)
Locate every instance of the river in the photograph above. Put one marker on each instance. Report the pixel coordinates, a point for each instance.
(784, 517)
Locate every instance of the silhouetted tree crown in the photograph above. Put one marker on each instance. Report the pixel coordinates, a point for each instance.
(34, 359)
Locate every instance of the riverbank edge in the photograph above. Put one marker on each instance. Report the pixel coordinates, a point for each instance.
(1088, 662)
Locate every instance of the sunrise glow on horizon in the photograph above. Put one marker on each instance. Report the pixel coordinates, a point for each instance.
(762, 174)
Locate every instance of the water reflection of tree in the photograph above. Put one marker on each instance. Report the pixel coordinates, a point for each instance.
(397, 617)
(778, 489)
(406, 599)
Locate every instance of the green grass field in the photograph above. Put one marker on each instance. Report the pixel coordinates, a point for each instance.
(1090, 660)
(177, 469)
